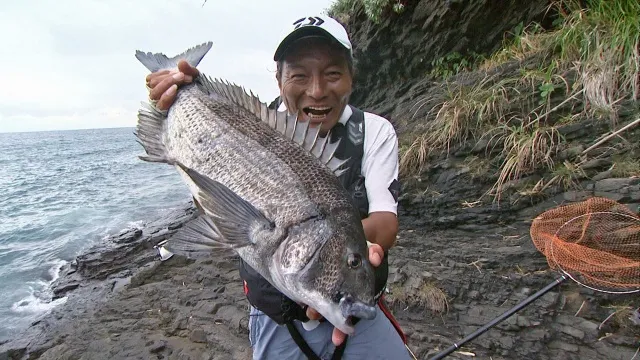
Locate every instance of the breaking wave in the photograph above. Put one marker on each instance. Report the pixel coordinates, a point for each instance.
(62, 192)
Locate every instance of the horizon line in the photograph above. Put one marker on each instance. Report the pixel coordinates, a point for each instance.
(77, 129)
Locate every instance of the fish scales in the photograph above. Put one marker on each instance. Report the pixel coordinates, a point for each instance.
(203, 138)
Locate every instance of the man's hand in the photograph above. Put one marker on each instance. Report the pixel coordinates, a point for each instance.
(376, 254)
(163, 84)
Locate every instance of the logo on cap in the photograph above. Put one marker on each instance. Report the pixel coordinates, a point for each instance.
(313, 21)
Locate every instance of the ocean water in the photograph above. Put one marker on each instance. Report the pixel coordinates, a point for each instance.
(60, 193)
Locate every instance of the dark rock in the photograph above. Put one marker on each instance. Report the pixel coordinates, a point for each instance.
(557, 344)
(615, 184)
(596, 164)
(198, 336)
(157, 346)
(128, 236)
(571, 153)
(601, 176)
(609, 195)
(574, 196)
(61, 290)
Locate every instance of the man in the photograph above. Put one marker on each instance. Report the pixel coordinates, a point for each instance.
(315, 73)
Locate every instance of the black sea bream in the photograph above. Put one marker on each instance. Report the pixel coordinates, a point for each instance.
(269, 188)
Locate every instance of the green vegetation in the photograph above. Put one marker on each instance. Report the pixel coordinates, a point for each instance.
(375, 9)
(626, 165)
(454, 63)
(585, 67)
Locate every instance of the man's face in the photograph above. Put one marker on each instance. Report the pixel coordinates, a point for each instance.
(315, 82)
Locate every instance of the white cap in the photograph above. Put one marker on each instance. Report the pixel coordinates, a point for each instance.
(313, 26)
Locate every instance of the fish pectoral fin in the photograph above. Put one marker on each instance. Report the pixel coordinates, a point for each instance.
(235, 219)
(149, 132)
(198, 238)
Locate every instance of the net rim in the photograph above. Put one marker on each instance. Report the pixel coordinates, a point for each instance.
(633, 218)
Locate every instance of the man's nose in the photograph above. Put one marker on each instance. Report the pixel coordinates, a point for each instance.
(317, 88)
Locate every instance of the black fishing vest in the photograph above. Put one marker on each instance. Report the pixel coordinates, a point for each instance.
(266, 298)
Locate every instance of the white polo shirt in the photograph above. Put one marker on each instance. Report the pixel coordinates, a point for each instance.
(379, 161)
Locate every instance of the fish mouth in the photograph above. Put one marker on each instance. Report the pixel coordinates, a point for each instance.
(350, 307)
(317, 113)
(342, 314)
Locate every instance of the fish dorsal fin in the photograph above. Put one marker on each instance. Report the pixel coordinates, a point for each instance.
(288, 125)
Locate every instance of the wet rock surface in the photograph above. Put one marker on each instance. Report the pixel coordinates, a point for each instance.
(504, 268)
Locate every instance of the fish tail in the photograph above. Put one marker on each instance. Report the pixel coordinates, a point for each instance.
(158, 61)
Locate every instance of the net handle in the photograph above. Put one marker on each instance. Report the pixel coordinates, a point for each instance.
(501, 318)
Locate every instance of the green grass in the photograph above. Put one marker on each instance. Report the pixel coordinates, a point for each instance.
(567, 176)
(626, 165)
(454, 63)
(604, 42)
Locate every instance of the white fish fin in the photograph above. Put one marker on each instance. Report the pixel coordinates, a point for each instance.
(281, 122)
(158, 61)
(335, 164)
(329, 150)
(319, 146)
(198, 238)
(149, 131)
(234, 218)
(287, 125)
(290, 127)
(272, 119)
(264, 113)
(300, 132)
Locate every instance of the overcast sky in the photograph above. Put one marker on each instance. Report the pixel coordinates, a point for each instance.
(70, 64)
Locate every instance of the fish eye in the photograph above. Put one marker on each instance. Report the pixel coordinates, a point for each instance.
(354, 261)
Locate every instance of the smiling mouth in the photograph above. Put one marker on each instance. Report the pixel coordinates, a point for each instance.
(317, 113)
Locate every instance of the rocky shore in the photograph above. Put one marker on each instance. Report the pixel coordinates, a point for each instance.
(124, 303)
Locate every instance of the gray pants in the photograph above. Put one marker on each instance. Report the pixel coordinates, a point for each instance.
(373, 339)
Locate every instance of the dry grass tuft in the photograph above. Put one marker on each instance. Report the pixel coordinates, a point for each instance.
(427, 296)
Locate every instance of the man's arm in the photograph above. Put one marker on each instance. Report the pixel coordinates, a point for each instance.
(380, 169)
(381, 227)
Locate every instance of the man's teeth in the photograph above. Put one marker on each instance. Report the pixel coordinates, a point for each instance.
(317, 112)
(317, 116)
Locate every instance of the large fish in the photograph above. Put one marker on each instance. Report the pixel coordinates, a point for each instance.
(269, 189)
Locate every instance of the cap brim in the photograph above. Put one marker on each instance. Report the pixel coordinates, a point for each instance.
(303, 32)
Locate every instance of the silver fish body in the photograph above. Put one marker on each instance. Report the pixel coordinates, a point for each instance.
(269, 191)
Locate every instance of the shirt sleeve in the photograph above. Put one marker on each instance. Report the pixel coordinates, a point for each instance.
(380, 167)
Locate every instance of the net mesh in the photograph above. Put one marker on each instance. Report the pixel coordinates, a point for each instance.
(596, 242)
